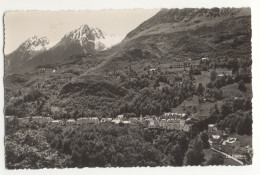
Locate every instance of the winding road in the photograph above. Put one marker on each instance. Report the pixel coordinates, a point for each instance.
(228, 156)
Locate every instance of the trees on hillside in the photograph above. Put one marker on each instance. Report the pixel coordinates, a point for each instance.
(194, 155)
(216, 159)
(241, 86)
(200, 89)
(213, 75)
(204, 139)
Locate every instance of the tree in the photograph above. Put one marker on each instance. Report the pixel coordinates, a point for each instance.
(216, 159)
(205, 139)
(241, 86)
(195, 155)
(213, 75)
(200, 89)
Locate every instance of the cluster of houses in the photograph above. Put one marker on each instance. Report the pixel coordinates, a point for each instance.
(168, 121)
(220, 140)
(40, 119)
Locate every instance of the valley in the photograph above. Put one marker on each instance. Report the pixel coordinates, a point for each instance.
(195, 62)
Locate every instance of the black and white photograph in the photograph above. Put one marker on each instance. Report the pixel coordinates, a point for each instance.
(164, 87)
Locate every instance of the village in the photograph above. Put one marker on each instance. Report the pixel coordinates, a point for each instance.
(168, 121)
(219, 140)
(228, 146)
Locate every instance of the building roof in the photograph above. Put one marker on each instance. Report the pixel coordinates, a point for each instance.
(115, 121)
(37, 117)
(56, 121)
(10, 116)
(215, 136)
(82, 118)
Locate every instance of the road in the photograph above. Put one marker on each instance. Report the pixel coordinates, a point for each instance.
(228, 156)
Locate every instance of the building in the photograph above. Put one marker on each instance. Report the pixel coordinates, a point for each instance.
(239, 153)
(116, 121)
(82, 120)
(182, 123)
(151, 124)
(9, 118)
(24, 120)
(214, 141)
(126, 123)
(212, 128)
(187, 128)
(133, 119)
(71, 122)
(120, 117)
(46, 119)
(232, 142)
(163, 123)
(57, 122)
(170, 126)
(37, 119)
(103, 120)
(94, 120)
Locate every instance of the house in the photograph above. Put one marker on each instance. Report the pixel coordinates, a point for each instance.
(187, 128)
(120, 117)
(116, 121)
(109, 119)
(182, 123)
(71, 122)
(141, 118)
(46, 119)
(170, 126)
(37, 119)
(151, 124)
(93, 120)
(156, 123)
(57, 122)
(126, 123)
(212, 128)
(24, 120)
(239, 153)
(103, 120)
(214, 140)
(221, 75)
(177, 126)
(82, 120)
(9, 118)
(232, 142)
(163, 123)
(133, 120)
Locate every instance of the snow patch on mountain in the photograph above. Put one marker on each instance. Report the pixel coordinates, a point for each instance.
(35, 44)
(86, 35)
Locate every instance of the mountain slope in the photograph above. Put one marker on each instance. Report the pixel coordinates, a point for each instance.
(183, 34)
(25, 52)
(79, 41)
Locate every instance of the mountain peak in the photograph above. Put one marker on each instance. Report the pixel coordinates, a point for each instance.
(35, 44)
(85, 32)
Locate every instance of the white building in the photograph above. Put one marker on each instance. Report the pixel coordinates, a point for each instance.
(212, 128)
(57, 122)
(71, 122)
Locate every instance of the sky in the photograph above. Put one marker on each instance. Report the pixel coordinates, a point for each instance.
(21, 25)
